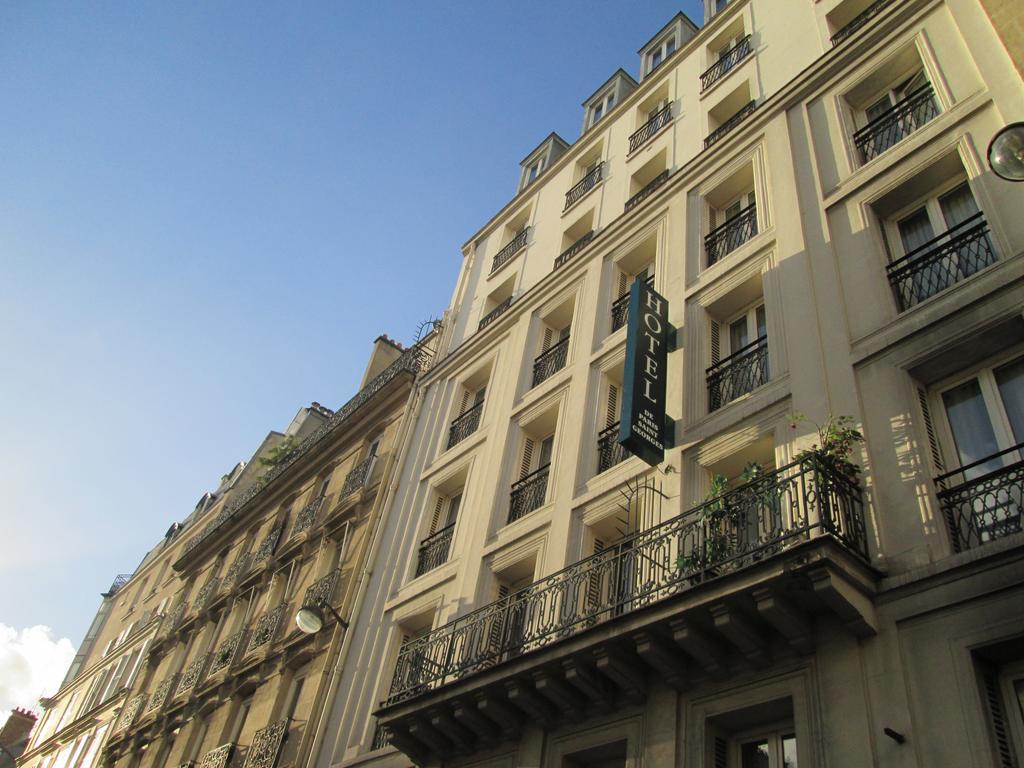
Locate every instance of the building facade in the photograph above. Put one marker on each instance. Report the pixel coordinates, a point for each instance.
(196, 658)
(807, 190)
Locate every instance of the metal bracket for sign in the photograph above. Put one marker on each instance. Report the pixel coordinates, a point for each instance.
(670, 432)
(673, 338)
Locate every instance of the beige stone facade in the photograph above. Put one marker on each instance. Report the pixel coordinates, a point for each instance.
(1008, 19)
(196, 658)
(805, 184)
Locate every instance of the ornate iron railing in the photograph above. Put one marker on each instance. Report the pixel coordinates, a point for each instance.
(942, 262)
(740, 373)
(119, 581)
(620, 307)
(584, 185)
(217, 758)
(983, 501)
(646, 132)
(729, 236)
(609, 451)
(227, 652)
(266, 744)
(173, 618)
(321, 591)
(726, 62)
(357, 476)
(268, 545)
(550, 361)
(162, 693)
(495, 313)
(573, 249)
(859, 21)
(511, 249)
(890, 128)
(528, 493)
(809, 497)
(192, 675)
(381, 737)
(434, 550)
(205, 595)
(305, 519)
(648, 190)
(130, 713)
(413, 360)
(266, 626)
(719, 133)
(465, 424)
(238, 570)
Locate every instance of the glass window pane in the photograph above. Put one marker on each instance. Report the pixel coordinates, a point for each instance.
(916, 230)
(789, 751)
(958, 206)
(1010, 379)
(738, 336)
(972, 428)
(453, 509)
(762, 322)
(754, 754)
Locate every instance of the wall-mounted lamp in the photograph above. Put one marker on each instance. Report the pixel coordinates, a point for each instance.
(1006, 153)
(310, 618)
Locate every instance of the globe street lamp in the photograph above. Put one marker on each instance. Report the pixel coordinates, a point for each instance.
(1006, 153)
(310, 618)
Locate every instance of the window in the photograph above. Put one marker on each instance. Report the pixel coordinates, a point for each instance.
(601, 107)
(739, 356)
(761, 736)
(434, 548)
(241, 715)
(936, 243)
(530, 491)
(891, 115)
(664, 49)
(553, 352)
(534, 171)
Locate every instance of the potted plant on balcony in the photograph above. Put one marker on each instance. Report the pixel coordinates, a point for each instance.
(837, 437)
(717, 539)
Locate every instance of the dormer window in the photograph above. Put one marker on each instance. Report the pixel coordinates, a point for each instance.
(662, 52)
(602, 107)
(534, 171)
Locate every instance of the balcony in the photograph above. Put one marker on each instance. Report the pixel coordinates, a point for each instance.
(573, 249)
(227, 652)
(620, 308)
(434, 550)
(648, 190)
(550, 361)
(859, 21)
(647, 131)
(704, 594)
(982, 501)
(528, 494)
(729, 236)
(584, 185)
(305, 519)
(942, 262)
(220, 757)
(495, 313)
(517, 243)
(132, 709)
(357, 476)
(740, 373)
(162, 694)
(205, 595)
(720, 132)
(265, 630)
(609, 452)
(465, 425)
(192, 675)
(726, 62)
(891, 127)
(238, 571)
(321, 591)
(266, 744)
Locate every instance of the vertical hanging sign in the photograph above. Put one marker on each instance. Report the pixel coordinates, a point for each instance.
(642, 426)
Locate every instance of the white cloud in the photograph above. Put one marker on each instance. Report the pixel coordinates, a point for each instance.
(32, 664)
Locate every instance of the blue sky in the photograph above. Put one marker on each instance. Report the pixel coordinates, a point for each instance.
(207, 214)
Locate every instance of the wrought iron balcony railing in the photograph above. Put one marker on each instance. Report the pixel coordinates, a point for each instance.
(205, 594)
(510, 250)
(219, 757)
(573, 249)
(162, 693)
(266, 744)
(740, 373)
(321, 591)
(942, 262)
(119, 581)
(192, 675)
(227, 652)
(719, 133)
(528, 493)
(726, 62)
(609, 451)
(265, 629)
(729, 236)
(859, 21)
(495, 313)
(620, 308)
(648, 190)
(173, 618)
(305, 519)
(584, 185)
(268, 545)
(550, 361)
(381, 737)
(130, 713)
(808, 498)
(465, 424)
(357, 476)
(434, 550)
(646, 132)
(890, 128)
(983, 501)
(238, 570)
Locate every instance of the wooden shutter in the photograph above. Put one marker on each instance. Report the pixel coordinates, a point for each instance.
(933, 443)
(498, 624)
(716, 345)
(997, 721)
(465, 401)
(594, 582)
(438, 507)
(721, 752)
(623, 283)
(547, 339)
(612, 409)
(527, 463)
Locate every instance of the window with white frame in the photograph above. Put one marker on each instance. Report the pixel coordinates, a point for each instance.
(660, 52)
(601, 107)
(739, 356)
(890, 114)
(434, 549)
(762, 736)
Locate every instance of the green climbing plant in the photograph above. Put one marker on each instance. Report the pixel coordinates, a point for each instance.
(837, 438)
